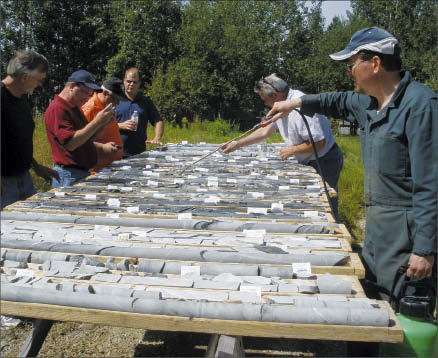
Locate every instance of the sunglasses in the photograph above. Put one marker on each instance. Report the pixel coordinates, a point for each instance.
(263, 79)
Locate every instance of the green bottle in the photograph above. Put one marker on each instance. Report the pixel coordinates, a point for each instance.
(419, 329)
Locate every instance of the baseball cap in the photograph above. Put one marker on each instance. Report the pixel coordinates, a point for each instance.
(115, 86)
(86, 78)
(372, 39)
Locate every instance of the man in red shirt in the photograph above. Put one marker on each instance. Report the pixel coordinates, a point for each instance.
(112, 93)
(71, 137)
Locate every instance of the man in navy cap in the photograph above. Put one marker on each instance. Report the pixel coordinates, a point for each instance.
(71, 137)
(398, 121)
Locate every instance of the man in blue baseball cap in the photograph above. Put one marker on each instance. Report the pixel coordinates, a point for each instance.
(71, 137)
(398, 121)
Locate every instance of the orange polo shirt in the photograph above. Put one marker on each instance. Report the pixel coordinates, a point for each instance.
(110, 134)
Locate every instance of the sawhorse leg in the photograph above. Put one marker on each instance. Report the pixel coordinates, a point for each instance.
(222, 346)
(36, 337)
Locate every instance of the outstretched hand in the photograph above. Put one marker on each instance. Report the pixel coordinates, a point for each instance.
(230, 147)
(154, 142)
(281, 109)
(46, 173)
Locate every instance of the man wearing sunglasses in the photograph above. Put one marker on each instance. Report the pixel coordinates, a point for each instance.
(112, 93)
(25, 72)
(71, 137)
(398, 122)
(294, 132)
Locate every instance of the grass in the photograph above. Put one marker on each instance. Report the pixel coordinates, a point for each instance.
(351, 209)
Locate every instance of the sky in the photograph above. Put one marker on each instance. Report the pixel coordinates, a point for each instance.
(330, 9)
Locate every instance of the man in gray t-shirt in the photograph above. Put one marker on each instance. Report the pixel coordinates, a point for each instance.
(294, 132)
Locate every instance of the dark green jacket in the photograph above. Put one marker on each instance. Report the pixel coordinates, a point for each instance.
(399, 151)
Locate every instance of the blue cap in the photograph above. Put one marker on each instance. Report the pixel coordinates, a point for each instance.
(372, 39)
(86, 78)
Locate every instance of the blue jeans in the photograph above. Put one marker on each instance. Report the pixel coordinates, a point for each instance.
(69, 175)
(331, 166)
(18, 187)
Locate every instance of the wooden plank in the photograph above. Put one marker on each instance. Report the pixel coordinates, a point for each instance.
(200, 325)
(356, 262)
(344, 231)
(36, 337)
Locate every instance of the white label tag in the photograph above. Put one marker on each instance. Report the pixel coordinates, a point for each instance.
(114, 202)
(302, 267)
(168, 157)
(112, 187)
(232, 181)
(159, 196)
(210, 178)
(255, 174)
(125, 167)
(213, 183)
(294, 181)
(124, 236)
(255, 233)
(133, 209)
(202, 169)
(185, 216)
(190, 271)
(310, 213)
(184, 142)
(251, 288)
(59, 194)
(191, 176)
(312, 187)
(283, 187)
(231, 161)
(24, 272)
(263, 211)
(178, 181)
(147, 172)
(277, 207)
(272, 177)
(113, 215)
(126, 188)
(152, 183)
(256, 195)
(90, 197)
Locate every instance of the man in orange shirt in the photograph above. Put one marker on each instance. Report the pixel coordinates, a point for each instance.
(113, 92)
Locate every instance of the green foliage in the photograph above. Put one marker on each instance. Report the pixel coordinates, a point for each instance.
(41, 152)
(351, 204)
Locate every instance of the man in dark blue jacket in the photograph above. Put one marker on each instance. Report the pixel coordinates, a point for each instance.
(398, 122)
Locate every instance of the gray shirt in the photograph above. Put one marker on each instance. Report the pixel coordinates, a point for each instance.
(294, 131)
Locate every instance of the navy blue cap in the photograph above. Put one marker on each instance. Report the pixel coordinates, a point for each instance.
(86, 78)
(372, 39)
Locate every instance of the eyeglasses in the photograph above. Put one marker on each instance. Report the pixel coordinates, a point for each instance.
(350, 66)
(270, 84)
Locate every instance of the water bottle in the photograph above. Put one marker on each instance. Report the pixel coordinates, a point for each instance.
(419, 329)
(134, 117)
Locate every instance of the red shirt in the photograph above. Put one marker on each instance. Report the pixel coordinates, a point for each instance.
(62, 120)
(110, 134)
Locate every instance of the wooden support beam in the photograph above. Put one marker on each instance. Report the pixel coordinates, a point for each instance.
(36, 337)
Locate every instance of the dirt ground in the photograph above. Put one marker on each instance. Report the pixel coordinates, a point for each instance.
(67, 339)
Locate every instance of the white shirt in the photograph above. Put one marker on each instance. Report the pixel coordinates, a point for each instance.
(294, 131)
